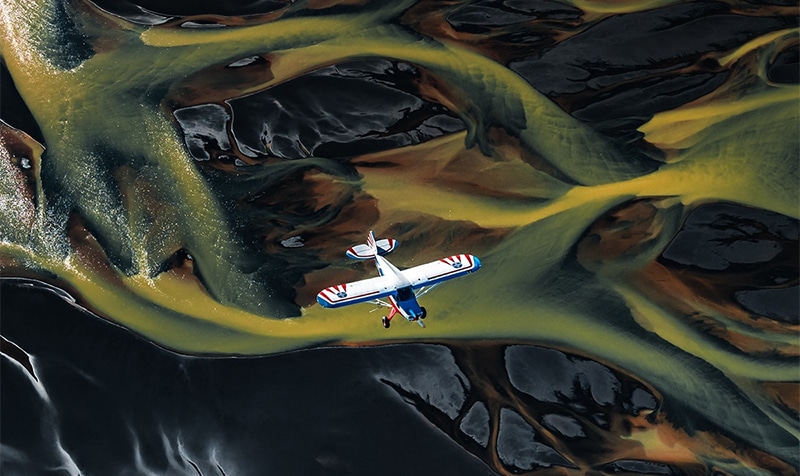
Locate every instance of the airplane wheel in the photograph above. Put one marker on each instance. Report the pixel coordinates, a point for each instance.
(385, 322)
(424, 313)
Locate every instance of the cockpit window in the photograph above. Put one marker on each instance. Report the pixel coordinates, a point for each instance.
(404, 294)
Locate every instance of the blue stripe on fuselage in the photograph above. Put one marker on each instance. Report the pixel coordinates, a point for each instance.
(409, 308)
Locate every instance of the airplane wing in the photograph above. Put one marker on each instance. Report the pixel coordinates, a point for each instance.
(441, 270)
(357, 291)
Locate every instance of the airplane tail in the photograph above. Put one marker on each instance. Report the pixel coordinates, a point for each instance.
(372, 248)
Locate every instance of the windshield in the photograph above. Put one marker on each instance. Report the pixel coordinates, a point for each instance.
(404, 294)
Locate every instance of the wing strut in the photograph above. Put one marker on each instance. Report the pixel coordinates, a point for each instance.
(426, 289)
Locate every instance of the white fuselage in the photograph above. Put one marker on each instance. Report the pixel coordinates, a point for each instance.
(385, 268)
(406, 304)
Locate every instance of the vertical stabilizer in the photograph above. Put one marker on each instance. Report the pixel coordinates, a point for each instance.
(373, 247)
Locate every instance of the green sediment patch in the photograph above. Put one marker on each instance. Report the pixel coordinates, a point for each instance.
(115, 195)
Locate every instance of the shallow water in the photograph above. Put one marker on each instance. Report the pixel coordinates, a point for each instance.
(626, 171)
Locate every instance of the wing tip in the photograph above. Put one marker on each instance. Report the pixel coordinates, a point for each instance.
(476, 263)
(328, 296)
(323, 301)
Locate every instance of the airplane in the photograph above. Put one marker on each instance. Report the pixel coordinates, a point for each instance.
(401, 288)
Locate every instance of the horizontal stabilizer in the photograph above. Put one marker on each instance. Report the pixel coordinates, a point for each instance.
(384, 247)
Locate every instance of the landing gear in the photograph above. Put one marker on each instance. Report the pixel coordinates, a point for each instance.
(385, 322)
(424, 313)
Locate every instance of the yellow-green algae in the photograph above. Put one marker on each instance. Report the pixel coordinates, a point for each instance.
(115, 157)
